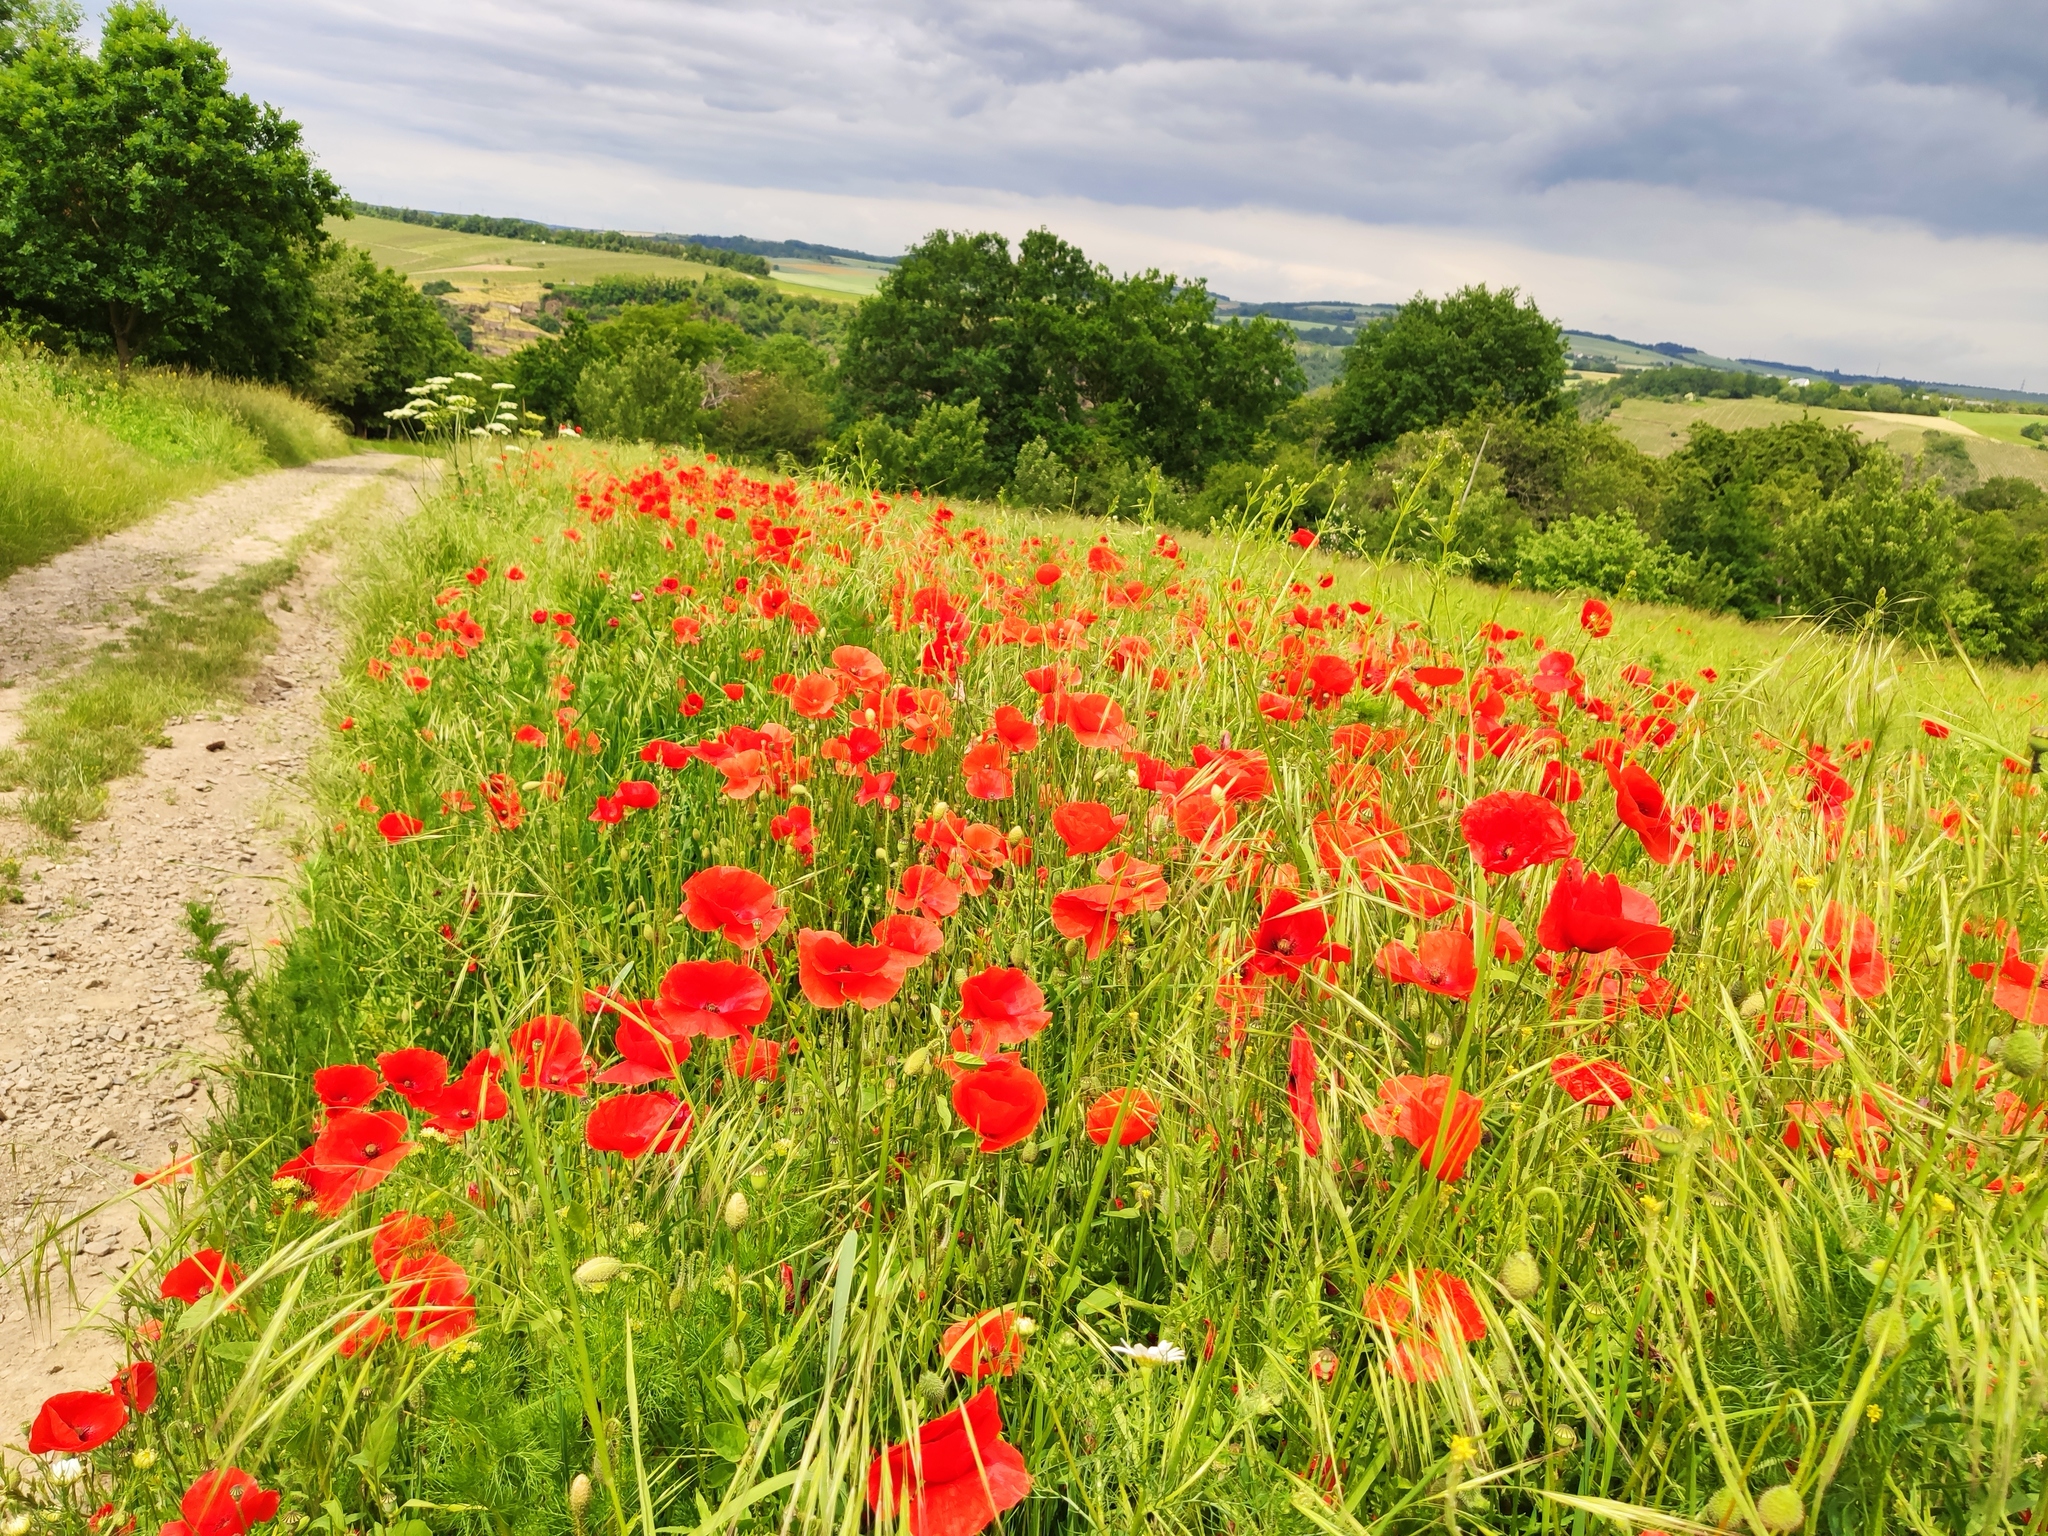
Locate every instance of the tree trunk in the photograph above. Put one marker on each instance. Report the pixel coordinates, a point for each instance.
(124, 349)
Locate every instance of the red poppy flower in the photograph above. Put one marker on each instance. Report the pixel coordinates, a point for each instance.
(1241, 773)
(1087, 826)
(1088, 913)
(396, 826)
(653, 1052)
(986, 767)
(204, 1271)
(1005, 1007)
(755, 1061)
(1561, 783)
(1442, 962)
(76, 1422)
(355, 1152)
(1639, 803)
(718, 998)
(834, 972)
(926, 890)
(1600, 913)
(402, 1238)
(634, 1124)
(415, 1074)
(135, 1384)
(1511, 830)
(431, 1302)
(1596, 618)
(1096, 719)
(549, 1051)
(1301, 1091)
(956, 1480)
(1138, 1110)
(1600, 1083)
(988, 1345)
(1000, 1101)
(348, 1085)
(223, 1503)
(1424, 889)
(1014, 728)
(638, 794)
(1848, 953)
(734, 902)
(1292, 933)
(2018, 988)
(470, 1100)
(1935, 729)
(1445, 1136)
(909, 938)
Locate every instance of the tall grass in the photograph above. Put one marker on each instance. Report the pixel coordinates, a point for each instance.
(82, 455)
(1682, 1310)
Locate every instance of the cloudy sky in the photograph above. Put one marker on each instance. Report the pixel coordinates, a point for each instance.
(1839, 183)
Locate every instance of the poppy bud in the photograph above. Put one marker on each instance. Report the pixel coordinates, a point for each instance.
(734, 1354)
(1886, 1332)
(917, 1061)
(1720, 1510)
(1520, 1275)
(1780, 1509)
(1752, 1005)
(2023, 1056)
(594, 1274)
(736, 1211)
(1020, 952)
(579, 1499)
(1219, 1247)
(1184, 1242)
(931, 1386)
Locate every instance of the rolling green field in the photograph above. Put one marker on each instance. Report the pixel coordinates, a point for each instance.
(513, 270)
(2004, 426)
(1662, 427)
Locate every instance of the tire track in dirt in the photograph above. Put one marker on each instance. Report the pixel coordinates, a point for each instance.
(105, 1033)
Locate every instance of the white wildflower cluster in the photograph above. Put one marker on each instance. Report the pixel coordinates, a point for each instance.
(441, 409)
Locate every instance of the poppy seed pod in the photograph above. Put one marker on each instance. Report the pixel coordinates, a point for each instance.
(594, 1274)
(1886, 1331)
(1780, 1509)
(1520, 1275)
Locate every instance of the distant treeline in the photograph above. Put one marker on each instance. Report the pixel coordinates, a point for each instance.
(583, 239)
(788, 250)
(1693, 382)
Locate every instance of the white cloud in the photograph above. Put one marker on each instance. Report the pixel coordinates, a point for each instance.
(1832, 183)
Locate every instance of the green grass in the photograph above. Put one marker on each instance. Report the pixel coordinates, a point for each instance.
(82, 456)
(186, 652)
(2004, 426)
(1695, 1307)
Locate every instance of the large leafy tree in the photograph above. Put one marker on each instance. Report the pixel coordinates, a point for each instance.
(377, 334)
(1053, 346)
(1434, 361)
(144, 204)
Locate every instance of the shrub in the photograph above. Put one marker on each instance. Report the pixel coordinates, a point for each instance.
(1878, 546)
(945, 451)
(1610, 554)
(643, 395)
(1040, 478)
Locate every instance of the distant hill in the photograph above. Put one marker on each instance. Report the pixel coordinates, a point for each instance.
(788, 250)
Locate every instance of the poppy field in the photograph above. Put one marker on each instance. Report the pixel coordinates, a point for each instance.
(827, 1012)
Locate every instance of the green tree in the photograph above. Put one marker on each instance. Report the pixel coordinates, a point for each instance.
(1877, 544)
(143, 203)
(1054, 347)
(1726, 494)
(377, 335)
(945, 450)
(2008, 569)
(643, 394)
(1434, 361)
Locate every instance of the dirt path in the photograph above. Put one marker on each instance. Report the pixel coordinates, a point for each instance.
(104, 1031)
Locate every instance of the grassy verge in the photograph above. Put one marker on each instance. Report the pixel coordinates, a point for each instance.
(189, 650)
(81, 456)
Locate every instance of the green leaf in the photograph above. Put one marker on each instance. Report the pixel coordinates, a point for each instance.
(727, 1439)
(379, 1441)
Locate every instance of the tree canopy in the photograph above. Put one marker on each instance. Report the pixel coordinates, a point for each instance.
(144, 203)
(1053, 346)
(1434, 361)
